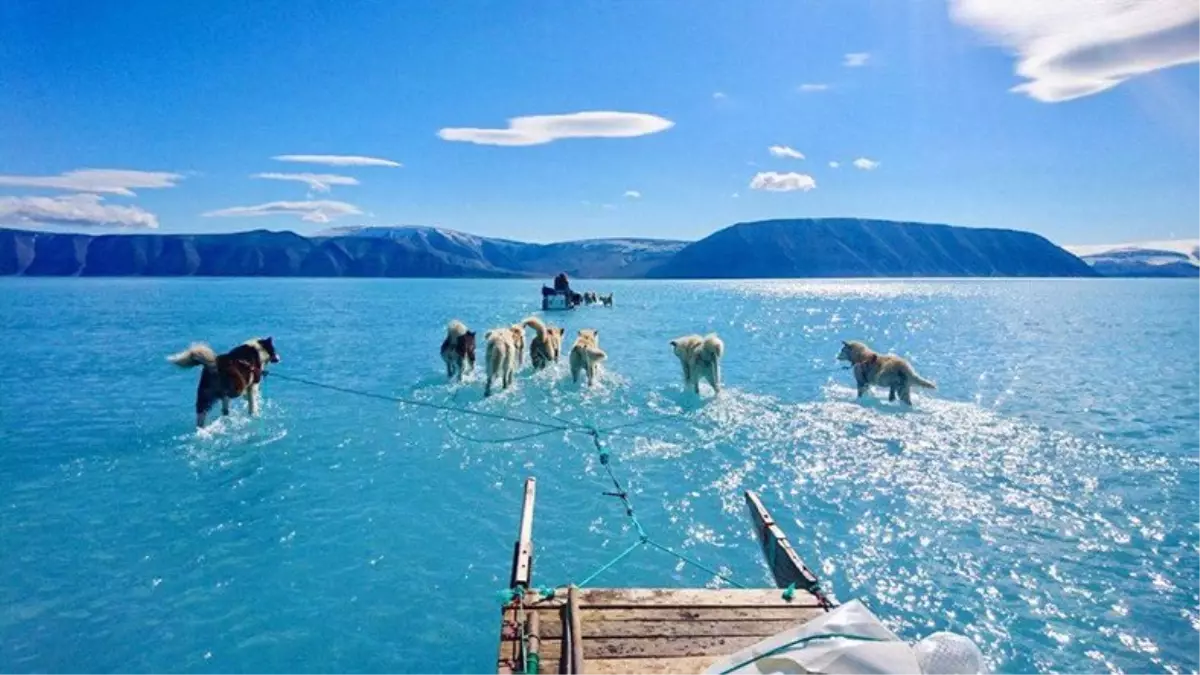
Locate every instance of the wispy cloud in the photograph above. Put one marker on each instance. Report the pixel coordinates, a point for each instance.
(88, 210)
(321, 211)
(633, 194)
(337, 160)
(856, 59)
(865, 164)
(108, 181)
(719, 95)
(785, 151)
(812, 87)
(782, 182)
(538, 129)
(318, 182)
(608, 207)
(1072, 48)
(735, 195)
(834, 165)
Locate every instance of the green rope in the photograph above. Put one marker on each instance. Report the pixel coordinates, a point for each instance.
(801, 641)
(610, 563)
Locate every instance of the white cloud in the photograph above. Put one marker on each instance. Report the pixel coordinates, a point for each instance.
(318, 182)
(538, 129)
(785, 151)
(337, 160)
(812, 87)
(633, 194)
(79, 210)
(834, 165)
(735, 195)
(608, 207)
(782, 182)
(865, 164)
(719, 95)
(310, 211)
(856, 59)
(1072, 48)
(110, 181)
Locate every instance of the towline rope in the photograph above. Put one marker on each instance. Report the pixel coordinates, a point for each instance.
(422, 404)
(564, 426)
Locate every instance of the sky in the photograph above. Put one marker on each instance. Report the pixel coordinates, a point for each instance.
(547, 121)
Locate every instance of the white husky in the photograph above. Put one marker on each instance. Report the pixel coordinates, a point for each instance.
(502, 354)
(701, 359)
(586, 355)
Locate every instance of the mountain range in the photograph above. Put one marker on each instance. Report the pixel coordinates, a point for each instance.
(833, 247)
(1171, 258)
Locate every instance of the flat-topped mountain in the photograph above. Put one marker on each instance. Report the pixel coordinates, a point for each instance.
(844, 247)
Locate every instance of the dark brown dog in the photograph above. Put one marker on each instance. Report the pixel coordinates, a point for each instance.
(458, 349)
(238, 372)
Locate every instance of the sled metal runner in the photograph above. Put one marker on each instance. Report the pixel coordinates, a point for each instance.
(647, 630)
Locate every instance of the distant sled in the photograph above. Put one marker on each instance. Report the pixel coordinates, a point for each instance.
(553, 300)
(560, 297)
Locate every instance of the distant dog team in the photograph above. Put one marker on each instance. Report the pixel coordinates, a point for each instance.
(240, 371)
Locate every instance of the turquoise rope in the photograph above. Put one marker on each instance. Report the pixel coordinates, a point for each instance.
(565, 427)
(694, 563)
(610, 563)
(420, 404)
(800, 641)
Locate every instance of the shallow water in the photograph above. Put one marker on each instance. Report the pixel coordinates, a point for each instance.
(1043, 500)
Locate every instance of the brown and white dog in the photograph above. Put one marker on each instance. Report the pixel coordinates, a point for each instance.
(238, 372)
(502, 354)
(701, 359)
(586, 355)
(546, 345)
(458, 349)
(882, 370)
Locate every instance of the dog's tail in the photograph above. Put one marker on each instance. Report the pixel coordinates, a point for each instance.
(712, 348)
(199, 354)
(456, 329)
(537, 326)
(596, 354)
(916, 379)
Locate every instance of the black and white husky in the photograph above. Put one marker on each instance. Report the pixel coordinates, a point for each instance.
(238, 372)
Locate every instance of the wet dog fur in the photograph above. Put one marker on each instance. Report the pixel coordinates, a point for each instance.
(458, 350)
(586, 355)
(700, 358)
(882, 370)
(546, 345)
(518, 340)
(501, 357)
(238, 372)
